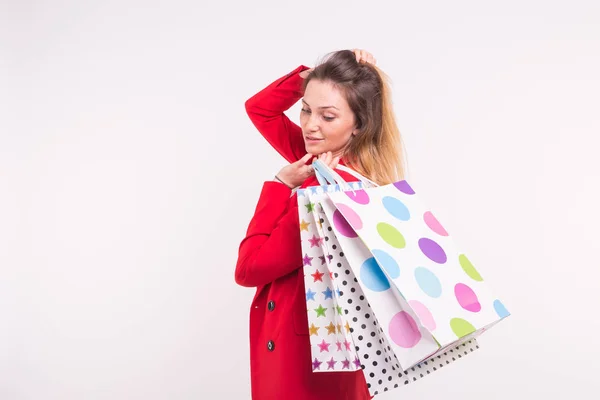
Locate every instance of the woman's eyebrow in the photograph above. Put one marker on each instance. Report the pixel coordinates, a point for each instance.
(320, 107)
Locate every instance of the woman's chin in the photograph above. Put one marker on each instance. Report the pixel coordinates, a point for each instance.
(314, 148)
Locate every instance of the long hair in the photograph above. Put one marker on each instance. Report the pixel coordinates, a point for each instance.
(376, 151)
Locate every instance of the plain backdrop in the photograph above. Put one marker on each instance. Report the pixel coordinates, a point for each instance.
(129, 171)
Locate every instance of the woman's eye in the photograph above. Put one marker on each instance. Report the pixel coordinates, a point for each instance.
(306, 111)
(329, 118)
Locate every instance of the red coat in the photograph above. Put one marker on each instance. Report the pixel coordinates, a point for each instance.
(270, 259)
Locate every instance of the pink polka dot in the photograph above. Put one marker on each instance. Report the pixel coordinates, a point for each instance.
(350, 215)
(434, 224)
(342, 226)
(424, 314)
(359, 196)
(404, 330)
(467, 298)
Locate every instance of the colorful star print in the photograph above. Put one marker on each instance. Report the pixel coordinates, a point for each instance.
(310, 295)
(322, 258)
(324, 346)
(339, 328)
(320, 311)
(357, 362)
(304, 225)
(347, 327)
(314, 330)
(307, 260)
(339, 309)
(347, 344)
(310, 207)
(317, 276)
(346, 364)
(316, 364)
(338, 292)
(315, 241)
(330, 328)
(328, 293)
(339, 345)
(331, 363)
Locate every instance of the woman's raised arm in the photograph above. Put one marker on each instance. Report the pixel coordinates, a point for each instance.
(266, 111)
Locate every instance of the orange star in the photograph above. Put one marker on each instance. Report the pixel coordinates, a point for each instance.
(330, 328)
(304, 225)
(339, 328)
(314, 330)
(347, 327)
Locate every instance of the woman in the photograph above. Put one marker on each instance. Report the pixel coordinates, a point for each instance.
(346, 118)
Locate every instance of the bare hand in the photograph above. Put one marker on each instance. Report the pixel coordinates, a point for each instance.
(296, 173)
(365, 56)
(305, 73)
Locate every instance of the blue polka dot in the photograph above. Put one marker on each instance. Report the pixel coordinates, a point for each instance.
(396, 208)
(500, 309)
(387, 262)
(428, 282)
(373, 277)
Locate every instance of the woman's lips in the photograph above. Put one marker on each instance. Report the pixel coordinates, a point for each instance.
(312, 139)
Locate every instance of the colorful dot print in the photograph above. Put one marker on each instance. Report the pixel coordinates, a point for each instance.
(404, 330)
(413, 254)
(390, 235)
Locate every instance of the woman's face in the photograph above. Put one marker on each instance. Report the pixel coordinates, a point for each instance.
(326, 119)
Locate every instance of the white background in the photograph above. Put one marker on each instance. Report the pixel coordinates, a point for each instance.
(129, 172)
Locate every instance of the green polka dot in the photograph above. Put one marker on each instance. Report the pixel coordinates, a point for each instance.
(460, 327)
(391, 235)
(469, 268)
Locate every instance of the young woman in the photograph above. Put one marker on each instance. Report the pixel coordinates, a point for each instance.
(346, 118)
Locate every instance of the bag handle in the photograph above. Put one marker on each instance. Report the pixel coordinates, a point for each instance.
(330, 174)
(322, 170)
(366, 181)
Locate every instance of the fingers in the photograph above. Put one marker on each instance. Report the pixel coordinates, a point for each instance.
(363, 55)
(335, 162)
(304, 159)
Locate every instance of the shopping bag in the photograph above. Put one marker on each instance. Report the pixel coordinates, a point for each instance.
(413, 257)
(332, 347)
(380, 365)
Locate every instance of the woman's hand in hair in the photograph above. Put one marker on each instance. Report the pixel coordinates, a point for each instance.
(305, 73)
(363, 55)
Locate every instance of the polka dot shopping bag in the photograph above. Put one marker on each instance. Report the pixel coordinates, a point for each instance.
(427, 295)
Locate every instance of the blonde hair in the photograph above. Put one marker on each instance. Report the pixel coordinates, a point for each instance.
(376, 151)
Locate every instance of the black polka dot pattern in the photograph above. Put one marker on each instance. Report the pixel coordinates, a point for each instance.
(380, 366)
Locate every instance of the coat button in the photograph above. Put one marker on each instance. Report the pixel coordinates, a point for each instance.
(271, 305)
(271, 345)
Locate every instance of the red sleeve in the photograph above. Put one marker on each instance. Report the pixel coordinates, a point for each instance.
(266, 111)
(271, 247)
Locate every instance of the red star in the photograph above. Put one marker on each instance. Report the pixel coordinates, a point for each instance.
(318, 276)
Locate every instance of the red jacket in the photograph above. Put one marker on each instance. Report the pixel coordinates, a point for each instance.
(270, 259)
